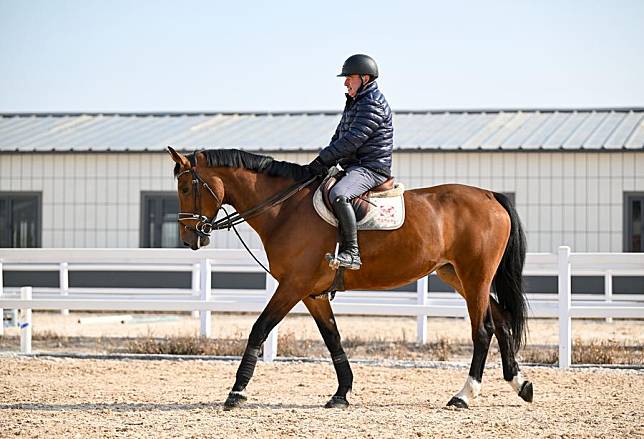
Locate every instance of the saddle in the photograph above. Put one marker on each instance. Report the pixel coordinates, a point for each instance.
(380, 208)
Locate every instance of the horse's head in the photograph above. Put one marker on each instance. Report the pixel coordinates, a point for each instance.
(201, 194)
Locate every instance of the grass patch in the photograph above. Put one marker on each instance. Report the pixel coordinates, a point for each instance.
(592, 352)
(185, 346)
(49, 336)
(583, 352)
(542, 355)
(607, 352)
(289, 346)
(441, 350)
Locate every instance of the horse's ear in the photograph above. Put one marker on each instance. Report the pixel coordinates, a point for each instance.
(178, 158)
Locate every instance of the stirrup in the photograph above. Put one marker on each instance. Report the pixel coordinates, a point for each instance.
(335, 263)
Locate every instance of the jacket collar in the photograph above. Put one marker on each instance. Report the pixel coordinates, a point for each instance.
(362, 91)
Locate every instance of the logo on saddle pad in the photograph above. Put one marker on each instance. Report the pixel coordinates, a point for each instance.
(378, 209)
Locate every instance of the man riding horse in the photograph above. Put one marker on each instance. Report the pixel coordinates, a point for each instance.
(471, 237)
(362, 144)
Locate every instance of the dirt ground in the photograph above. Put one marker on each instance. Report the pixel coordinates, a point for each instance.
(52, 397)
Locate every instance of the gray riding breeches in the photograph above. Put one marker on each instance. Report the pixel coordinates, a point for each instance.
(356, 182)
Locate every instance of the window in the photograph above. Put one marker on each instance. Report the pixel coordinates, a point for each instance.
(20, 219)
(633, 222)
(159, 227)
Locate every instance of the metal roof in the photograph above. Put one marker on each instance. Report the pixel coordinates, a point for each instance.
(534, 129)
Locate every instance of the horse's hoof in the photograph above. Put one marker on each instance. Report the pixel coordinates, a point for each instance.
(337, 402)
(234, 400)
(526, 391)
(457, 402)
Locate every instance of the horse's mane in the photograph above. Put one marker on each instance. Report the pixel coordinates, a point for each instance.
(235, 158)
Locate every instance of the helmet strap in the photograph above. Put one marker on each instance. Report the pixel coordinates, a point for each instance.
(362, 83)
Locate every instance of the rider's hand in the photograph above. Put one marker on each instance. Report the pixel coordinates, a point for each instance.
(318, 167)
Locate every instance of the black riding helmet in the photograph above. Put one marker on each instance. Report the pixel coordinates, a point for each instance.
(360, 65)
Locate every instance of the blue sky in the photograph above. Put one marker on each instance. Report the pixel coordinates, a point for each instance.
(283, 55)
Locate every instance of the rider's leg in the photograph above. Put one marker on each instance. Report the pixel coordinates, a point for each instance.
(349, 255)
(356, 182)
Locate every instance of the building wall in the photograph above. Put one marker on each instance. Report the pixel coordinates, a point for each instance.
(571, 198)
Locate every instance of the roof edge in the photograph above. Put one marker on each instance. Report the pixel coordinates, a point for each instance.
(321, 112)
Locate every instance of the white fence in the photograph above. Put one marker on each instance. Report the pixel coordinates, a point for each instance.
(203, 298)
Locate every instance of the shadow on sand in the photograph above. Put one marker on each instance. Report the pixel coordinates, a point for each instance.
(145, 407)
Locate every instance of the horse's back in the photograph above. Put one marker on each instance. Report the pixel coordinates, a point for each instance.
(461, 214)
(457, 197)
(455, 191)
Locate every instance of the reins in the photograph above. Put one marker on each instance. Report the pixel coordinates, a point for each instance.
(205, 226)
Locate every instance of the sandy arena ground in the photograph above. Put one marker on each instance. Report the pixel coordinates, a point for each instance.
(54, 397)
(46, 397)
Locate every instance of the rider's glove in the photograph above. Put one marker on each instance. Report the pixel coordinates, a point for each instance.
(317, 167)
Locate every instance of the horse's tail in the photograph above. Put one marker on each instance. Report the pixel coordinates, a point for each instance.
(508, 280)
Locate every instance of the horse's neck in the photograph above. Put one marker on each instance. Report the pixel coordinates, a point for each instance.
(246, 189)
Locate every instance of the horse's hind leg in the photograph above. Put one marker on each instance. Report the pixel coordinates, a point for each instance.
(477, 299)
(321, 311)
(482, 331)
(511, 372)
(279, 305)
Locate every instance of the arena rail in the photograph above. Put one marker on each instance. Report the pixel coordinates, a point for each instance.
(202, 298)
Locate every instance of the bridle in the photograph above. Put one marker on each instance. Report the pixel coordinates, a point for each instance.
(204, 226)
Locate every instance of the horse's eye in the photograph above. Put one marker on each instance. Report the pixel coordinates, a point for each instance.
(185, 190)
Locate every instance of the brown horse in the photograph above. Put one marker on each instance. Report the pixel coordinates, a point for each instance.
(471, 237)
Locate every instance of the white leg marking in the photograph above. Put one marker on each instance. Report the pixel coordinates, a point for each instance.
(517, 382)
(470, 391)
(235, 392)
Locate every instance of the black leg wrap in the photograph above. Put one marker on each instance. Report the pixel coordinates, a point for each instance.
(339, 358)
(246, 368)
(345, 377)
(345, 381)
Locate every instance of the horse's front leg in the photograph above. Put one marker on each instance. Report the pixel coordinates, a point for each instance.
(280, 304)
(321, 311)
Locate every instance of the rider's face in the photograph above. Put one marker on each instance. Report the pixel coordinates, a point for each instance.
(353, 83)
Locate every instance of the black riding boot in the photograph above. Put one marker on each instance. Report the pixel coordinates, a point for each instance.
(349, 254)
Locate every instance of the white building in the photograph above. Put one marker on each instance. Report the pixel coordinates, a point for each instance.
(104, 180)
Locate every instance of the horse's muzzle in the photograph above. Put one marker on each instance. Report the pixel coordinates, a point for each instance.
(196, 241)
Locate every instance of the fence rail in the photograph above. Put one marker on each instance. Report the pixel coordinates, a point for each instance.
(201, 297)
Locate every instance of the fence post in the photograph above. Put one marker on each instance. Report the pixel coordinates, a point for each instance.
(1, 310)
(421, 320)
(608, 290)
(63, 281)
(25, 322)
(270, 345)
(205, 329)
(565, 298)
(195, 285)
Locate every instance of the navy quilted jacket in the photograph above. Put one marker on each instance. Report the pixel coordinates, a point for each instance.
(365, 133)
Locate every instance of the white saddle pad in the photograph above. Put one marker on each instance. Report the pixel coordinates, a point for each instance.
(387, 210)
